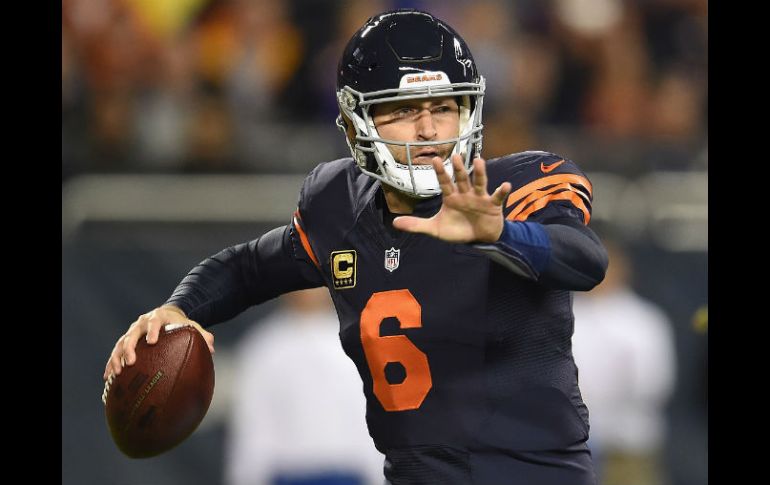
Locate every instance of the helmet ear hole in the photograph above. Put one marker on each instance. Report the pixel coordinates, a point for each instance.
(347, 126)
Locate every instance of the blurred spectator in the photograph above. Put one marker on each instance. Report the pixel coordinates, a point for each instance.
(676, 108)
(624, 350)
(246, 50)
(614, 103)
(299, 414)
(351, 15)
(268, 49)
(210, 137)
(487, 26)
(165, 108)
(319, 21)
(247, 53)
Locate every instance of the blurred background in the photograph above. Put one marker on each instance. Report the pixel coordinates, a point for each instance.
(188, 126)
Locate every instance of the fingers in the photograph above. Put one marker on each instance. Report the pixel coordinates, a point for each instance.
(479, 176)
(415, 224)
(444, 180)
(501, 193)
(147, 326)
(207, 336)
(114, 362)
(154, 325)
(129, 347)
(461, 175)
(117, 360)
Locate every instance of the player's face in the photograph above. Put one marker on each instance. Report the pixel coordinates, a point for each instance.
(410, 120)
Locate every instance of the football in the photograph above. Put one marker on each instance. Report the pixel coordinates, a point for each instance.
(158, 402)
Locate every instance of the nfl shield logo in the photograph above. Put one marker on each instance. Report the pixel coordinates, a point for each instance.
(391, 259)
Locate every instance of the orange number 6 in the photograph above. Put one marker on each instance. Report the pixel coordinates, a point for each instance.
(379, 351)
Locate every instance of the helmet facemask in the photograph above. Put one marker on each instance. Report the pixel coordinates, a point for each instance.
(370, 150)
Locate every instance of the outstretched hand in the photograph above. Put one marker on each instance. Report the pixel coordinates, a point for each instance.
(468, 212)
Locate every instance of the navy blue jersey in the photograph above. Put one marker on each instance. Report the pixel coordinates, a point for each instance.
(466, 366)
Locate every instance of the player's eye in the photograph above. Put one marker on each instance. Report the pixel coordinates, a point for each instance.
(443, 109)
(403, 112)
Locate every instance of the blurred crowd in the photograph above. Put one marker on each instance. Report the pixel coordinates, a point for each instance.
(248, 85)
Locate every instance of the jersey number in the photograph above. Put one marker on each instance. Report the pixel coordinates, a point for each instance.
(380, 351)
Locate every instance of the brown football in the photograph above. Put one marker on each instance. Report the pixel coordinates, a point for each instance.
(158, 402)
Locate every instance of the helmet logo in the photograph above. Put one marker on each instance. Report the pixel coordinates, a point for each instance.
(423, 78)
(427, 78)
(461, 57)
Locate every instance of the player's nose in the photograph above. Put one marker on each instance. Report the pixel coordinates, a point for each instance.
(426, 128)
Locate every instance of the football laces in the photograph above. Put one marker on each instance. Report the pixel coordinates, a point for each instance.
(107, 384)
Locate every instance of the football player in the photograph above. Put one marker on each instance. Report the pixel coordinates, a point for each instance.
(451, 275)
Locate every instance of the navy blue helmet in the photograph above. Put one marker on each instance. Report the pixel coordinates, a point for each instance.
(398, 55)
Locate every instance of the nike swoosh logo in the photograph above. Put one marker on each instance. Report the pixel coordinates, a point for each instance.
(550, 167)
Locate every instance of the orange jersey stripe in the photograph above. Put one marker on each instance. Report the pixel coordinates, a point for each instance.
(546, 181)
(569, 195)
(536, 195)
(303, 238)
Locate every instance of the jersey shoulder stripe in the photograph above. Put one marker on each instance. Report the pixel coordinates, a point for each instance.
(297, 221)
(540, 179)
(537, 194)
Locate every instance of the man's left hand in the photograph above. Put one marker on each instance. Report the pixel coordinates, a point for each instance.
(468, 212)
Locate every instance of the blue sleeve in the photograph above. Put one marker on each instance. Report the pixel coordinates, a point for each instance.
(578, 260)
(523, 247)
(563, 254)
(229, 282)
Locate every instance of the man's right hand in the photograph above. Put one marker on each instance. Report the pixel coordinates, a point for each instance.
(148, 324)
